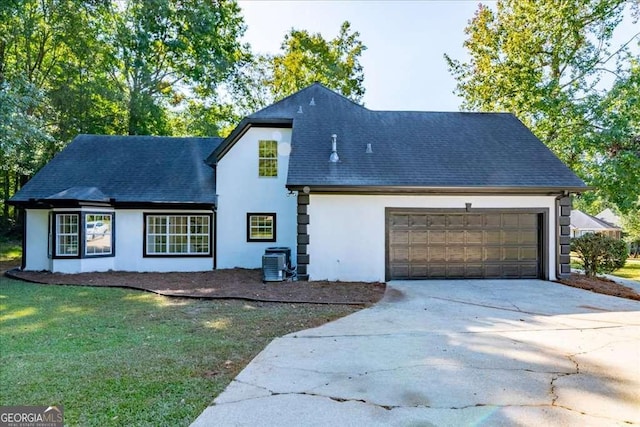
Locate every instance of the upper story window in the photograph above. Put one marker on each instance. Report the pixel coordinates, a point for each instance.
(268, 159)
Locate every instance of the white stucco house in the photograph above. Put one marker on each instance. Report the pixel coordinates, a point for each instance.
(356, 194)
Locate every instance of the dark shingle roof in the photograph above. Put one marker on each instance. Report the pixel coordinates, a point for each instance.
(412, 149)
(128, 169)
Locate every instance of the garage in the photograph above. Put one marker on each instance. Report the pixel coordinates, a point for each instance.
(458, 244)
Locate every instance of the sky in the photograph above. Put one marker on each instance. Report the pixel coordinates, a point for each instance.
(404, 66)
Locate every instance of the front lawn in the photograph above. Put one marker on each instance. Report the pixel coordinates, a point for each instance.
(125, 357)
(10, 250)
(631, 269)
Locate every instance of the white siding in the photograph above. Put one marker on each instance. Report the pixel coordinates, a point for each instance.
(129, 235)
(347, 232)
(240, 191)
(129, 247)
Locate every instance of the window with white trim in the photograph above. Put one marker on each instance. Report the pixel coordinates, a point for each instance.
(180, 235)
(97, 239)
(268, 159)
(261, 227)
(67, 234)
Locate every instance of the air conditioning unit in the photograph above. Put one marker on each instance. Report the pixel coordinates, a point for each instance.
(281, 250)
(273, 267)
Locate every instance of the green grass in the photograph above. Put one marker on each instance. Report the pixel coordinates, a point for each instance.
(631, 269)
(10, 249)
(124, 357)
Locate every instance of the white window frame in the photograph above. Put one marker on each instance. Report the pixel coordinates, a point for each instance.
(194, 231)
(254, 224)
(61, 234)
(267, 163)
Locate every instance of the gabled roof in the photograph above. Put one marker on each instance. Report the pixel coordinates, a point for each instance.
(584, 221)
(126, 169)
(609, 217)
(410, 149)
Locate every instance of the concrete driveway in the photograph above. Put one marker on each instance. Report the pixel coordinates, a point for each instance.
(450, 353)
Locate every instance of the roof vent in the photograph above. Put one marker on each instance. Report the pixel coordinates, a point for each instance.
(333, 158)
(300, 109)
(312, 102)
(369, 150)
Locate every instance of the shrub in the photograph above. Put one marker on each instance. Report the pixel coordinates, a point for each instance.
(599, 253)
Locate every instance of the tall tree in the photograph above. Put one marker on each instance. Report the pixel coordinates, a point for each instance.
(303, 59)
(545, 62)
(171, 49)
(307, 58)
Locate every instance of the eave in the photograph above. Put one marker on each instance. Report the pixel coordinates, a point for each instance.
(417, 190)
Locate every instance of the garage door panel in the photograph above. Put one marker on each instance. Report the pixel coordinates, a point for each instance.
(474, 237)
(493, 220)
(419, 254)
(399, 237)
(437, 253)
(464, 245)
(455, 253)
(455, 237)
(418, 271)
(400, 254)
(419, 221)
(437, 237)
(455, 221)
(474, 271)
(418, 237)
(528, 220)
(437, 271)
(474, 253)
(511, 254)
(510, 220)
(492, 254)
(400, 221)
(493, 237)
(529, 237)
(437, 221)
(474, 221)
(529, 254)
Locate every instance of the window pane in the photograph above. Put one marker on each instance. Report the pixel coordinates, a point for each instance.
(268, 158)
(178, 234)
(67, 234)
(261, 227)
(98, 234)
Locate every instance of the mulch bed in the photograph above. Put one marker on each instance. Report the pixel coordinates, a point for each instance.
(234, 283)
(601, 285)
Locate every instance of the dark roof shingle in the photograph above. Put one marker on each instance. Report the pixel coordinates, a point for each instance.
(412, 149)
(128, 169)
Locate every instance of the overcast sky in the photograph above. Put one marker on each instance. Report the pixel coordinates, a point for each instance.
(404, 67)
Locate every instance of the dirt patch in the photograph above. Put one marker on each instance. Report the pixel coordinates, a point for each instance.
(233, 283)
(600, 285)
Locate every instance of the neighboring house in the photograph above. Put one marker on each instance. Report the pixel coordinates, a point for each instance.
(610, 217)
(582, 223)
(356, 194)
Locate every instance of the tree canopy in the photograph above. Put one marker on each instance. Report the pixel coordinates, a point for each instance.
(304, 59)
(548, 63)
(159, 67)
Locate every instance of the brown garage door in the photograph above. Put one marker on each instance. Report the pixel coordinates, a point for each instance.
(490, 244)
